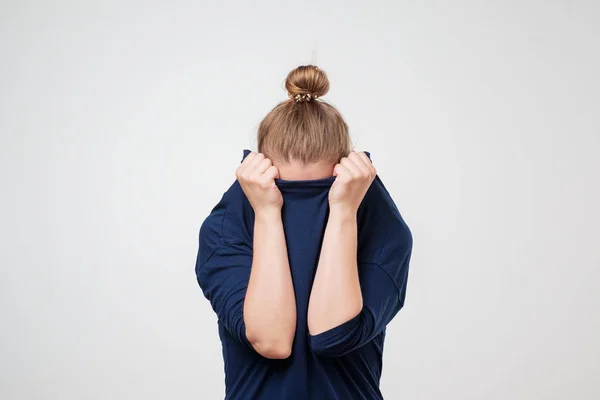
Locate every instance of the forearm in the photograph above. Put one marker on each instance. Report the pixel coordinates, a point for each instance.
(336, 295)
(270, 305)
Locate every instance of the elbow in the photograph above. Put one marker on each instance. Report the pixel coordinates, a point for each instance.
(271, 348)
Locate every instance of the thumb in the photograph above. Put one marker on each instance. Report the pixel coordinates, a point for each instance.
(337, 169)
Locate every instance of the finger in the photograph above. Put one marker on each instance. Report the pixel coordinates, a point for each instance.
(248, 159)
(341, 172)
(358, 161)
(253, 163)
(244, 169)
(263, 166)
(336, 170)
(271, 173)
(351, 166)
(368, 163)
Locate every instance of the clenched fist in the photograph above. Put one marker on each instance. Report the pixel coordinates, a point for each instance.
(354, 174)
(257, 174)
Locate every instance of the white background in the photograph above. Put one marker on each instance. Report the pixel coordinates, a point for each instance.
(122, 124)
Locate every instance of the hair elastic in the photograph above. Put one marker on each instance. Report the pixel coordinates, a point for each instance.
(303, 97)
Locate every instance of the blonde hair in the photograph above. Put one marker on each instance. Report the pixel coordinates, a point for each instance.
(304, 127)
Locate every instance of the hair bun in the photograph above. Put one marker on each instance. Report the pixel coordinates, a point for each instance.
(307, 82)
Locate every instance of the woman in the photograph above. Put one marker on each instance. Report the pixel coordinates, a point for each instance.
(305, 258)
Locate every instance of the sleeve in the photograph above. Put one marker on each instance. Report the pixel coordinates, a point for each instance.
(224, 261)
(223, 278)
(383, 287)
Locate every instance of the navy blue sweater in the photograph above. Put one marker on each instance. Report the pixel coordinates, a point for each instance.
(342, 363)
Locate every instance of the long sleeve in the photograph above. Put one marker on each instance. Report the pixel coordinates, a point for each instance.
(223, 278)
(224, 262)
(383, 285)
(382, 300)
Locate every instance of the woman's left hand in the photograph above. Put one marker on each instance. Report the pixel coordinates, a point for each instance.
(354, 175)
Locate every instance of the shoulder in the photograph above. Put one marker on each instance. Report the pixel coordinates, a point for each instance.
(228, 220)
(384, 236)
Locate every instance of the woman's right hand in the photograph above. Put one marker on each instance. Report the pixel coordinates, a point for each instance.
(256, 175)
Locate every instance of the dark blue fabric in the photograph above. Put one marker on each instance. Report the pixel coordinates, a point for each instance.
(340, 364)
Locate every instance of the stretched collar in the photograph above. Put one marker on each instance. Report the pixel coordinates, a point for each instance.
(304, 183)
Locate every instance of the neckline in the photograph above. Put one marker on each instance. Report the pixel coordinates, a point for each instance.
(300, 183)
(305, 182)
